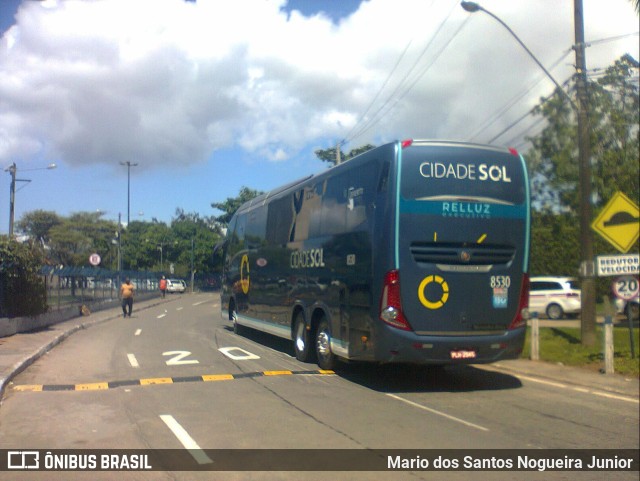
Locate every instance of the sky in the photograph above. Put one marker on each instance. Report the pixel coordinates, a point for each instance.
(206, 97)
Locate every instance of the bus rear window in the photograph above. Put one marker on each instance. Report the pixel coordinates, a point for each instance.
(430, 172)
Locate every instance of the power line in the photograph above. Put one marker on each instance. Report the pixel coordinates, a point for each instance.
(375, 118)
(395, 67)
(500, 112)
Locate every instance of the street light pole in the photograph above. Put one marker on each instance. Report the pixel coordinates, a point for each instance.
(129, 165)
(588, 290)
(13, 169)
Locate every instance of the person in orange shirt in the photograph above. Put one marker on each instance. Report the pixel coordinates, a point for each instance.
(163, 286)
(126, 293)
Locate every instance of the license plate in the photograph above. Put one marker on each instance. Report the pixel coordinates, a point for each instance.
(463, 354)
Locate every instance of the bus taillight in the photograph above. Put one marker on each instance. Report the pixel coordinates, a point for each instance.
(390, 303)
(522, 315)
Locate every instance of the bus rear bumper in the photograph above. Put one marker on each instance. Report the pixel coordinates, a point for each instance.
(409, 347)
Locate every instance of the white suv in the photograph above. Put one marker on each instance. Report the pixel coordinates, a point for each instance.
(176, 285)
(554, 296)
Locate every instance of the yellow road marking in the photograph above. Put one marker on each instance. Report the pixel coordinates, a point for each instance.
(217, 377)
(28, 387)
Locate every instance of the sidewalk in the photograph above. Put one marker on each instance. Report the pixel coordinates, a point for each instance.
(19, 351)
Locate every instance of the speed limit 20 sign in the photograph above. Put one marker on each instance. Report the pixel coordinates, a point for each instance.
(625, 287)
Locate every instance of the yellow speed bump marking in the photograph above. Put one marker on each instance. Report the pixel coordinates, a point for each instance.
(217, 377)
(28, 387)
(97, 386)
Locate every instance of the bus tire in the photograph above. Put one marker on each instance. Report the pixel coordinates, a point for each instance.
(237, 328)
(301, 344)
(326, 358)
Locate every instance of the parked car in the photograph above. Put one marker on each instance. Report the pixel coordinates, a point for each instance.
(554, 296)
(176, 285)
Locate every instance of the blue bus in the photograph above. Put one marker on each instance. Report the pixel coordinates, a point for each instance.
(412, 252)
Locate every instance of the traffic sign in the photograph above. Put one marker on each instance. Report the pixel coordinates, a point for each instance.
(618, 222)
(626, 287)
(94, 259)
(617, 265)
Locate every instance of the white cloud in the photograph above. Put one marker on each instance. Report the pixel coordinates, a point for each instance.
(167, 82)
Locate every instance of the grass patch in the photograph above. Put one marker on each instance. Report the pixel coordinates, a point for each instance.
(562, 345)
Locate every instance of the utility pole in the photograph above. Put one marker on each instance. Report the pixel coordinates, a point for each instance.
(587, 270)
(338, 159)
(12, 198)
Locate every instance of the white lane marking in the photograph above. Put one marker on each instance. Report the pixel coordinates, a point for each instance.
(243, 357)
(564, 386)
(616, 396)
(132, 360)
(198, 303)
(439, 413)
(137, 333)
(187, 441)
(179, 308)
(540, 381)
(162, 315)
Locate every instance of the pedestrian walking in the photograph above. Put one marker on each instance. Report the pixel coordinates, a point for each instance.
(126, 292)
(163, 286)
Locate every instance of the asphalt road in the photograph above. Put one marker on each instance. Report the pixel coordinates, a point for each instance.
(176, 376)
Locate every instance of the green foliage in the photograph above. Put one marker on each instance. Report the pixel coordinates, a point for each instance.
(22, 291)
(76, 237)
(562, 345)
(144, 246)
(614, 114)
(329, 155)
(37, 225)
(231, 205)
(555, 248)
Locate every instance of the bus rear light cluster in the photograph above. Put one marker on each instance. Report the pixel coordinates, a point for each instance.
(390, 303)
(522, 314)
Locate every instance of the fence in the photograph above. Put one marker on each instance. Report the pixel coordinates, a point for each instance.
(67, 286)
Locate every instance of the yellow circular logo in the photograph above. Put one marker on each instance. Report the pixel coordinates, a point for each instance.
(443, 298)
(244, 282)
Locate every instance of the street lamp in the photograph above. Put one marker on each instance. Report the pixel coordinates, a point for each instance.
(588, 286)
(129, 165)
(12, 169)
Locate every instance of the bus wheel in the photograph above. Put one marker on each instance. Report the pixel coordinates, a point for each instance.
(301, 340)
(237, 328)
(326, 359)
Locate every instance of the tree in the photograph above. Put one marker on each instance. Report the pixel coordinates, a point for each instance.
(231, 205)
(79, 235)
(37, 225)
(22, 291)
(614, 116)
(329, 155)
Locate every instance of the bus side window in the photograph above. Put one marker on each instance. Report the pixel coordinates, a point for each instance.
(383, 180)
(279, 221)
(256, 228)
